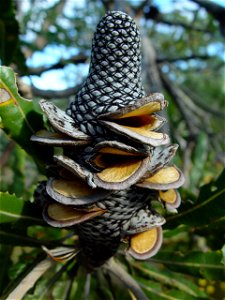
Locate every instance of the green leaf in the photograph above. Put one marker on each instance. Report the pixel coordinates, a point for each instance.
(19, 171)
(95, 293)
(208, 209)
(114, 288)
(13, 209)
(116, 269)
(18, 117)
(173, 233)
(104, 285)
(61, 289)
(180, 295)
(18, 238)
(5, 263)
(81, 281)
(199, 264)
(9, 35)
(199, 159)
(26, 280)
(53, 280)
(156, 292)
(166, 277)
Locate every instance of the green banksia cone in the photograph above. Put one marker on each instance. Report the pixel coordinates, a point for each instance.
(115, 164)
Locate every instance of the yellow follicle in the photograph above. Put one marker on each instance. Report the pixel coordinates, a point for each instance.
(146, 109)
(145, 241)
(63, 213)
(169, 196)
(165, 176)
(121, 171)
(68, 188)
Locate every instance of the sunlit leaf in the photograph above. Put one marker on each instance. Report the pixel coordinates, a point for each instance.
(20, 120)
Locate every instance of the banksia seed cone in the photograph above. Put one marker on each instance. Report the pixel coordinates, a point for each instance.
(114, 79)
(113, 165)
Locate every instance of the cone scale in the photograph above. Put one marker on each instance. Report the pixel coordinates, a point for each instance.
(114, 79)
(113, 158)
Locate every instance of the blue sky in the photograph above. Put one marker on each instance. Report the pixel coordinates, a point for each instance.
(59, 79)
(166, 4)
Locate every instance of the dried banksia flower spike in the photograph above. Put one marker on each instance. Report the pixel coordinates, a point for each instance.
(115, 163)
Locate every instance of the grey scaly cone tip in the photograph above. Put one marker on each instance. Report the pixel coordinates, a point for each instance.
(114, 78)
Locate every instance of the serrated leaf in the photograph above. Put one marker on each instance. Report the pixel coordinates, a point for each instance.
(209, 207)
(13, 209)
(19, 119)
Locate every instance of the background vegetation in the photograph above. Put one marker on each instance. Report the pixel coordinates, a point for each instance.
(47, 44)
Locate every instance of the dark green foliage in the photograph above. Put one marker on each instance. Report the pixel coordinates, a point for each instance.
(10, 50)
(206, 210)
(19, 118)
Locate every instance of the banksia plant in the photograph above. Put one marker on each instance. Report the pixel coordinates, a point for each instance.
(115, 163)
(103, 179)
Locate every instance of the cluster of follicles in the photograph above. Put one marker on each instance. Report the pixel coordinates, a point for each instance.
(115, 163)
